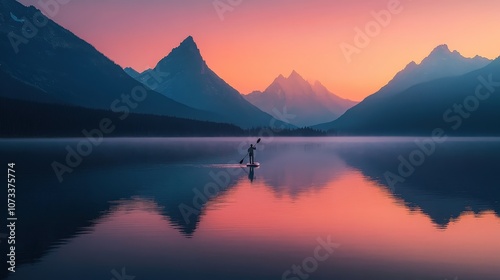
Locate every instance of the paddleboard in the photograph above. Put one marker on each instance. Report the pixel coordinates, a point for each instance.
(256, 164)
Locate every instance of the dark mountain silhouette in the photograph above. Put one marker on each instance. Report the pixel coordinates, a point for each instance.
(15, 89)
(68, 70)
(132, 72)
(32, 119)
(36, 120)
(187, 79)
(310, 104)
(422, 108)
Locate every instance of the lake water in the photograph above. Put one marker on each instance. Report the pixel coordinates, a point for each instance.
(317, 208)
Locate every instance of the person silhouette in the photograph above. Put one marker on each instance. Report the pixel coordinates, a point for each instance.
(251, 154)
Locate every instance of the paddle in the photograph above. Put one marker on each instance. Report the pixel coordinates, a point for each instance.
(241, 162)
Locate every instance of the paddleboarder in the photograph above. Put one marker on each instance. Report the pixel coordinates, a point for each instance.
(250, 153)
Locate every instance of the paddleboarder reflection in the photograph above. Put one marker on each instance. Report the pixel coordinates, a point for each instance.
(251, 154)
(251, 175)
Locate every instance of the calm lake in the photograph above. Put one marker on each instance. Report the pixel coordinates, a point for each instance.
(317, 208)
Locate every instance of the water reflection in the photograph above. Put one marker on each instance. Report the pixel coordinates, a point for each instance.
(461, 176)
(260, 240)
(251, 174)
(440, 223)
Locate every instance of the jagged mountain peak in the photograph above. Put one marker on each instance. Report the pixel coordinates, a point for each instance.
(189, 44)
(185, 57)
(411, 65)
(413, 103)
(189, 40)
(441, 62)
(186, 49)
(185, 77)
(442, 52)
(280, 78)
(310, 102)
(441, 49)
(71, 72)
(294, 84)
(294, 75)
(292, 78)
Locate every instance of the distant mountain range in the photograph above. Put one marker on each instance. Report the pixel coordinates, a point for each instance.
(56, 67)
(311, 104)
(440, 63)
(408, 107)
(185, 77)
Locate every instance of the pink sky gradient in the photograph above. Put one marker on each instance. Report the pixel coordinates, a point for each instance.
(258, 40)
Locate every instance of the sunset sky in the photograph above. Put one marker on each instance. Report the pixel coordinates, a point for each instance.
(253, 41)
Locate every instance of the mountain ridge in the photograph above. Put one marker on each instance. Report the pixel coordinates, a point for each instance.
(71, 71)
(441, 62)
(188, 80)
(311, 103)
(422, 108)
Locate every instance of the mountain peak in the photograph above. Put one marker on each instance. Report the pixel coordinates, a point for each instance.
(189, 44)
(411, 66)
(441, 49)
(440, 53)
(294, 75)
(189, 41)
(310, 103)
(440, 63)
(186, 56)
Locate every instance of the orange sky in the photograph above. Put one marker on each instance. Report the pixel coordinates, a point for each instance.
(255, 41)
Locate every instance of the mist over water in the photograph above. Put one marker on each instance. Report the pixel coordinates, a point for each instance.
(122, 208)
